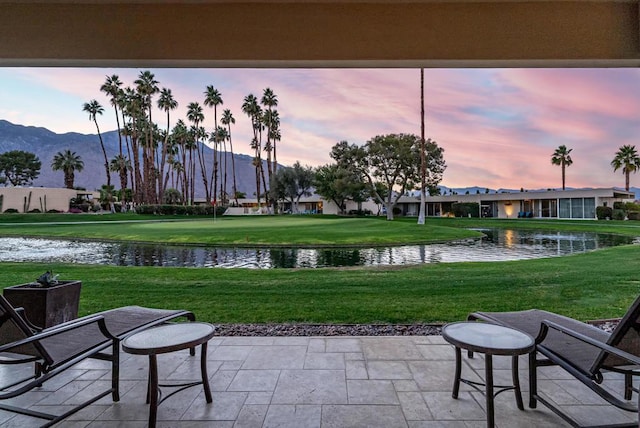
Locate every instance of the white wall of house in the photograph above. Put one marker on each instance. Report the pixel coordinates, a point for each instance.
(249, 206)
(25, 199)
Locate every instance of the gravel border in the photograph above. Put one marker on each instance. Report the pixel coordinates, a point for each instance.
(351, 329)
(328, 329)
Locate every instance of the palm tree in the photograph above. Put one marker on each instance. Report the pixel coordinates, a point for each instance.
(228, 119)
(94, 108)
(167, 103)
(561, 157)
(251, 108)
(219, 136)
(196, 116)
(626, 158)
(147, 86)
(68, 162)
(130, 106)
(180, 134)
(111, 87)
(119, 164)
(272, 123)
(213, 98)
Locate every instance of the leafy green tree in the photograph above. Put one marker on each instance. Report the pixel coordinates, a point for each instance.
(339, 185)
(292, 183)
(68, 162)
(18, 167)
(393, 163)
(628, 160)
(562, 158)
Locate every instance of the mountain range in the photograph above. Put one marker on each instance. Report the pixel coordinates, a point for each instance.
(45, 144)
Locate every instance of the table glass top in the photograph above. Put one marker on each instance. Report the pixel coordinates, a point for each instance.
(488, 336)
(168, 335)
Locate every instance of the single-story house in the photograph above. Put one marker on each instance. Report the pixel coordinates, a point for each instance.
(313, 204)
(571, 204)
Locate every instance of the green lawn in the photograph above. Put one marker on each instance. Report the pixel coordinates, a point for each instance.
(599, 284)
(244, 231)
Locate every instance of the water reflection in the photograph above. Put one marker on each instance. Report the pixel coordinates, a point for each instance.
(497, 245)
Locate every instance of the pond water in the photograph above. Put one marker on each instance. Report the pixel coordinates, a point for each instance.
(497, 245)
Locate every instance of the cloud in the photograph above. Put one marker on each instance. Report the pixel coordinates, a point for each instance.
(498, 127)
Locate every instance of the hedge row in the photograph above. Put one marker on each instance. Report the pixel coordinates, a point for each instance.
(179, 209)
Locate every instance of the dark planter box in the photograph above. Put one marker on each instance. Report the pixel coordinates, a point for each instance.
(48, 306)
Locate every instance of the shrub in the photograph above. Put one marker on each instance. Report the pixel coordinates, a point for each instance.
(618, 214)
(463, 209)
(35, 211)
(603, 213)
(360, 213)
(145, 209)
(633, 215)
(83, 206)
(202, 210)
(172, 197)
(10, 210)
(53, 211)
(618, 205)
(396, 211)
(75, 210)
(632, 206)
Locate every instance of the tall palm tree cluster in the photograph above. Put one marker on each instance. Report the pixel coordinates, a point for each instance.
(265, 122)
(152, 159)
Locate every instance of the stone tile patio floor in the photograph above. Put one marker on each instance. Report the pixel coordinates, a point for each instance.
(323, 382)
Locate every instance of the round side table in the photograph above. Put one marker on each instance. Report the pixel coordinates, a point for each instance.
(170, 338)
(490, 340)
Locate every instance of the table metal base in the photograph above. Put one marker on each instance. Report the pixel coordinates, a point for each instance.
(490, 390)
(154, 394)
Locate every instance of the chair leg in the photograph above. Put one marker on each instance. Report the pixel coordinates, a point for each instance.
(628, 386)
(533, 380)
(38, 372)
(115, 370)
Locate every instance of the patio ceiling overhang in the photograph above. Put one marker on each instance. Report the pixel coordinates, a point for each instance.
(320, 33)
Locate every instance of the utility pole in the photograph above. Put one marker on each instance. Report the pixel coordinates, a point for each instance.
(423, 160)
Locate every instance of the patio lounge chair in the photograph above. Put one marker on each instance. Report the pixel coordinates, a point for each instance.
(585, 351)
(56, 349)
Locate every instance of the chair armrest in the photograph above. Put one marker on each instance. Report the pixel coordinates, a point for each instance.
(23, 315)
(546, 325)
(98, 319)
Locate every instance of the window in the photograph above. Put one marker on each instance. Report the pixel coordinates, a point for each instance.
(577, 210)
(549, 208)
(564, 208)
(589, 207)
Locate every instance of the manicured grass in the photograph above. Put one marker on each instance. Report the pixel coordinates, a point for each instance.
(598, 284)
(247, 231)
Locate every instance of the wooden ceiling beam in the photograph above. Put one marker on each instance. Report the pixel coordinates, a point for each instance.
(320, 33)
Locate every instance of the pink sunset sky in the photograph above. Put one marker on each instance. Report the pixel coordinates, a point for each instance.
(499, 127)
